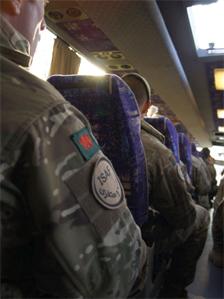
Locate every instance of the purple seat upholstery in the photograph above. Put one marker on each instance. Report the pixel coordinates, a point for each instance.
(112, 111)
(166, 127)
(185, 152)
(194, 150)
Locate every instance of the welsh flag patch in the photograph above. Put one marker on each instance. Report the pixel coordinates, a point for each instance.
(86, 143)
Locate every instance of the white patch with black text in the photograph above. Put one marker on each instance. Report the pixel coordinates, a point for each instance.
(106, 185)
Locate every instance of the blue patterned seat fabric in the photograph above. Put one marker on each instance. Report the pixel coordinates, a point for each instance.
(112, 111)
(166, 127)
(185, 151)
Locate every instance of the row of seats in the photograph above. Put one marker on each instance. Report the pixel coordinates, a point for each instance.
(111, 108)
(185, 154)
(114, 116)
(112, 111)
(176, 141)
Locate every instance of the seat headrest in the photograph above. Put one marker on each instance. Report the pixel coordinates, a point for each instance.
(166, 127)
(185, 151)
(194, 150)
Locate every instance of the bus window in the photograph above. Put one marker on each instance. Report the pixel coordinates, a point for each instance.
(42, 58)
(88, 68)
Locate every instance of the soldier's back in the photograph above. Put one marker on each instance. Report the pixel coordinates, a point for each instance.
(24, 97)
(199, 176)
(168, 188)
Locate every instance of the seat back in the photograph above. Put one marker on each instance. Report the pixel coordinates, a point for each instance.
(166, 127)
(185, 152)
(111, 108)
(194, 151)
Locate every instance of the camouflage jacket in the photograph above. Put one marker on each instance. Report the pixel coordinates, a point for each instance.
(200, 179)
(218, 219)
(190, 187)
(168, 192)
(66, 230)
(211, 169)
(220, 195)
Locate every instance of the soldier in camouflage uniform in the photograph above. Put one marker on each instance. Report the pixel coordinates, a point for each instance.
(217, 253)
(190, 187)
(66, 230)
(188, 222)
(209, 161)
(200, 180)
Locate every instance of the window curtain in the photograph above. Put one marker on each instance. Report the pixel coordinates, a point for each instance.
(64, 61)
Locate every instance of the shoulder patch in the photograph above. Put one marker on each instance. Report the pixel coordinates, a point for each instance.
(106, 186)
(86, 143)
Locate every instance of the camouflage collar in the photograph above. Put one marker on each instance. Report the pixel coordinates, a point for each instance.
(13, 45)
(152, 131)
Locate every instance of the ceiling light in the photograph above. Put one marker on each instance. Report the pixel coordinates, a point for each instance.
(220, 113)
(219, 79)
(221, 129)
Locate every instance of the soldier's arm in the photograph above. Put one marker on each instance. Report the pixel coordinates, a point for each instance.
(77, 208)
(219, 195)
(14, 238)
(168, 188)
(203, 181)
(195, 175)
(199, 177)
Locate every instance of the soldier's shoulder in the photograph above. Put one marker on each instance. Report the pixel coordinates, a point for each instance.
(20, 83)
(152, 143)
(196, 162)
(26, 99)
(146, 128)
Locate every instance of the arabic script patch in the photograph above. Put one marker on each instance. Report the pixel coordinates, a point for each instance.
(106, 185)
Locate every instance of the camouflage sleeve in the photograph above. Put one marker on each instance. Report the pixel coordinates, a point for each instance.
(203, 181)
(86, 242)
(199, 177)
(14, 238)
(218, 227)
(188, 182)
(220, 195)
(206, 170)
(168, 189)
(196, 175)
